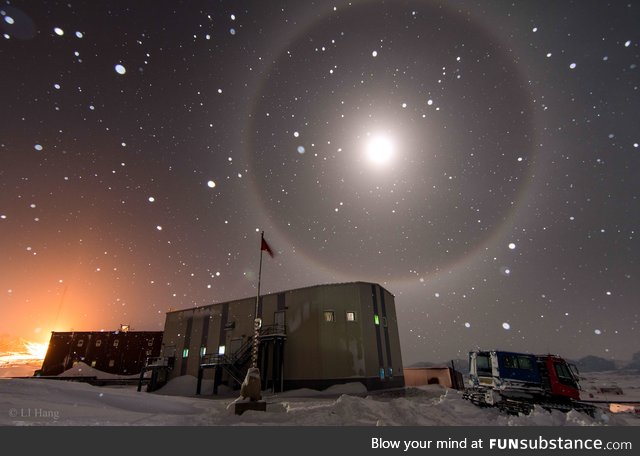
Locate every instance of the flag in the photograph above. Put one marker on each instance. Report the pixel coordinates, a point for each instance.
(266, 248)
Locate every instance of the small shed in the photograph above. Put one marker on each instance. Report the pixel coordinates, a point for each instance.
(445, 376)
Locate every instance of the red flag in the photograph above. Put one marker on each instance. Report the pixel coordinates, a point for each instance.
(266, 247)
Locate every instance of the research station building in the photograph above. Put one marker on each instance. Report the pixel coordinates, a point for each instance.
(311, 337)
(120, 352)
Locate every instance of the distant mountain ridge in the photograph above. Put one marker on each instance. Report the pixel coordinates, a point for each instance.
(588, 363)
(597, 364)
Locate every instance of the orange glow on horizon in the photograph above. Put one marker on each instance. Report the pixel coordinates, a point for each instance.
(31, 352)
(37, 350)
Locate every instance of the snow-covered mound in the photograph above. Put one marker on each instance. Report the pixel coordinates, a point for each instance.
(355, 388)
(81, 369)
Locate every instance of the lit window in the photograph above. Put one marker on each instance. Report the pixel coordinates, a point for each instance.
(80, 343)
(221, 349)
(93, 364)
(390, 372)
(185, 353)
(351, 316)
(382, 373)
(116, 343)
(376, 320)
(112, 362)
(329, 315)
(98, 343)
(203, 351)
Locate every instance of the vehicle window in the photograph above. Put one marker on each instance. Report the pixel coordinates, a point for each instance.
(483, 365)
(564, 375)
(524, 362)
(510, 362)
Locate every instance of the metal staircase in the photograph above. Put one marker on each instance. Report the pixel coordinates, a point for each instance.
(237, 363)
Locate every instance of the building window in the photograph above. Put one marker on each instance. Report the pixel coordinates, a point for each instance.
(112, 362)
(150, 343)
(185, 353)
(382, 373)
(221, 349)
(80, 343)
(93, 364)
(390, 372)
(376, 320)
(116, 343)
(384, 321)
(203, 351)
(148, 352)
(98, 343)
(351, 316)
(329, 315)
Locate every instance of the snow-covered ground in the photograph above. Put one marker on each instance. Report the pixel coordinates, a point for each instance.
(57, 402)
(611, 386)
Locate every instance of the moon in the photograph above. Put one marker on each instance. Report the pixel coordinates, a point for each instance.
(380, 149)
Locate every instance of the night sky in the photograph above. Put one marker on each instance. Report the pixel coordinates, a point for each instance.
(480, 160)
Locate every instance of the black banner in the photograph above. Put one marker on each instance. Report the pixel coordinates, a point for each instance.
(327, 441)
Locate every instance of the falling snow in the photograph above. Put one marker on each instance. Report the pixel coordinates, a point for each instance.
(510, 189)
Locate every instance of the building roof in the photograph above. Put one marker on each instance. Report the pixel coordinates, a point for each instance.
(285, 291)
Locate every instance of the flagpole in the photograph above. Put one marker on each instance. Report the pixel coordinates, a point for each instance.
(252, 386)
(257, 323)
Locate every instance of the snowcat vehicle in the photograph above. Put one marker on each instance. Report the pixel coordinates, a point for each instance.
(517, 382)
